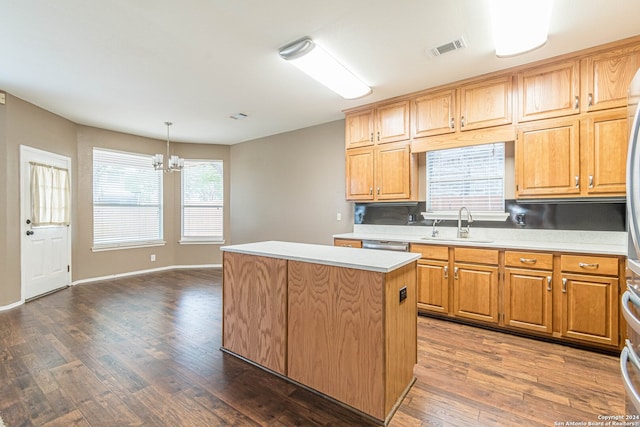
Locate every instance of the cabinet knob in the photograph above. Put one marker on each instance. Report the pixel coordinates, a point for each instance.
(452, 123)
(590, 181)
(378, 135)
(446, 272)
(577, 181)
(371, 137)
(576, 104)
(590, 100)
(371, 191)
(564, 285)
(462, 121)
(455, 273)
(549, 283)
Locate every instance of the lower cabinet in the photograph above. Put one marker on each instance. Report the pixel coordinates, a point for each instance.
(349, 243)
(433, 278)
(528, 291)
(475, 284)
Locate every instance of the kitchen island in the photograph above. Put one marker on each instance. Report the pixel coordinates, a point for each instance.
(338, 321)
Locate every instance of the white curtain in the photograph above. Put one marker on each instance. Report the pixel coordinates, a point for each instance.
(50, 198)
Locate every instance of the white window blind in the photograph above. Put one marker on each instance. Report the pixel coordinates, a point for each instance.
(468, 176)
(127, 199)
(202, 200)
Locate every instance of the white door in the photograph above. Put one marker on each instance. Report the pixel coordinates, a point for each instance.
(45, 250)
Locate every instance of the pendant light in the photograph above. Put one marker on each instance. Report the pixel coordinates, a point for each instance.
(174, 163)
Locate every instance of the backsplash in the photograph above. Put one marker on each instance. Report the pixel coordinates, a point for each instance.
(595, 216)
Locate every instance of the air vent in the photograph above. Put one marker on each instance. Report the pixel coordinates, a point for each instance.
(456, 44)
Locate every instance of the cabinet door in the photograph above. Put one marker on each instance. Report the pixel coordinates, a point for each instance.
(606, 153)
(590, 308)
(486, 103)
(392, 122)
(358, 128)
(528, 299)
(475, 292)
(433, 286)
(433, 113)
(393, 172)
(549, 91)
(359, 173)
(548, 159)
(606, 78)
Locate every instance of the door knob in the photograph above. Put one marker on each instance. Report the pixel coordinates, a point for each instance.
(28, 221)
(29, 233)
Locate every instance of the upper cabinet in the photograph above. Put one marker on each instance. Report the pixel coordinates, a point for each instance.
(472, 106)
(551, 90)
(383, 124)
(606, 77)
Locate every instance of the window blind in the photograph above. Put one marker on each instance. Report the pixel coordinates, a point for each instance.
(467, 176)
(202, 200)
(127, 199)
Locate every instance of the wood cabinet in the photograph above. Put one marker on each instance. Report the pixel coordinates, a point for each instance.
(550, 90)
(384, 172)
(528, 291)
(349, 243)
(548, 159)
(472, 106)
(475, 284)
(606, 77)
(590, 288)
(380, 125)
(433, 278)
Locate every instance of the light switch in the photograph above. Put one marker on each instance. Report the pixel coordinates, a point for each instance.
(338, 216)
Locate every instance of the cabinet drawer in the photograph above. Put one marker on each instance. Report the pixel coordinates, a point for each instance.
(586, 264)
(431, 251)
(350, 243)
(480, 256)
(528, 260)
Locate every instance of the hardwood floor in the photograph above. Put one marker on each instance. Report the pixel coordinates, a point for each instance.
(144, 350)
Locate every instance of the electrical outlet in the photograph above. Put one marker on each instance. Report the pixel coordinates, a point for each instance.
(153, 257)
(403, 293)
(338, 216)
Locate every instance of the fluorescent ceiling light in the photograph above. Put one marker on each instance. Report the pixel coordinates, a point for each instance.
(318, 64)
(519, 26)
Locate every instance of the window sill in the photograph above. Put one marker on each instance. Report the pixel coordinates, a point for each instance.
(479, 216)
(201, 242)
(136, 245)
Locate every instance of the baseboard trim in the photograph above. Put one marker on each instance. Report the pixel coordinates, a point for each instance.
(139, 272)
(10, 306)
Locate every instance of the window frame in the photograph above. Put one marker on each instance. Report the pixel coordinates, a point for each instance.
(204, 239)
(128, 244)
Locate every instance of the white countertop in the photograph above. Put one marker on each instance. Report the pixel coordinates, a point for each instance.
(361, 259)
(592, 242)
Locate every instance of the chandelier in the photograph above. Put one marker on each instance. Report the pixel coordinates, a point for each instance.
(174, 163)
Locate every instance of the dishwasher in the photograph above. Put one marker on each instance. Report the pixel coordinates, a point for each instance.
(385, 245)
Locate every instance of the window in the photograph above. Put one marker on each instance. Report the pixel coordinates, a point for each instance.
(468, 176)
(127, 200)
(202, 200)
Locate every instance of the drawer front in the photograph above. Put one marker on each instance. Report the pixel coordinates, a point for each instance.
(529, 260)
(586, 264)
(431, 251)
(350, 243)
(479, 256)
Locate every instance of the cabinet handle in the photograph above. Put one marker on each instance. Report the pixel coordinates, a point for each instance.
(590, 100)
(452, 123)
(462, 121)
(528, 260)
(455, 273)
(446, 272)
(549, 283)
(371, 137)
(577, 103)
(378, 135)
(577, 181)
(564, 286)
(371, 191)
(378, 191)
(590, 181)
(585, 265)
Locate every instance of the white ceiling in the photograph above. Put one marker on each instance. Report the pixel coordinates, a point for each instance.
(131, 65)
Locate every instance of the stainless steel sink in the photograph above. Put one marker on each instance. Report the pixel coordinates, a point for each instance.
(457, 239)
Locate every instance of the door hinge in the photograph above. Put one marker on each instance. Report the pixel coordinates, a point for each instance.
(68, 269)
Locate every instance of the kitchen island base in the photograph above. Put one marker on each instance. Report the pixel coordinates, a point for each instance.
(349, 332)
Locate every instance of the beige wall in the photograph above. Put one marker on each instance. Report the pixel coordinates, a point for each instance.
(290, 187)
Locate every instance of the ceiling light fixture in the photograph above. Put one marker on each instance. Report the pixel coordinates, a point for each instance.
(316, 62)
(174, 163)
(519, 26)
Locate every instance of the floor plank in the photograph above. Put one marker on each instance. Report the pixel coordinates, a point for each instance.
(144, 350)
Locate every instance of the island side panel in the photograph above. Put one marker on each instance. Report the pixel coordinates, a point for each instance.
(255, 309)
(336, 333)
(401, 332)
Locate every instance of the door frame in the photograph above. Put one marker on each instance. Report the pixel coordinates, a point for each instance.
(25, 202)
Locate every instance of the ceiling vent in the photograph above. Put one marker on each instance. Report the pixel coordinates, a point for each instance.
(456, 44)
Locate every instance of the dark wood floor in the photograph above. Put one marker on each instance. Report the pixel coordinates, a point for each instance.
(145, 351)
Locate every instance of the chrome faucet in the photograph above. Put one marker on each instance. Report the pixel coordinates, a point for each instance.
(434, 232)
(464, 232)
